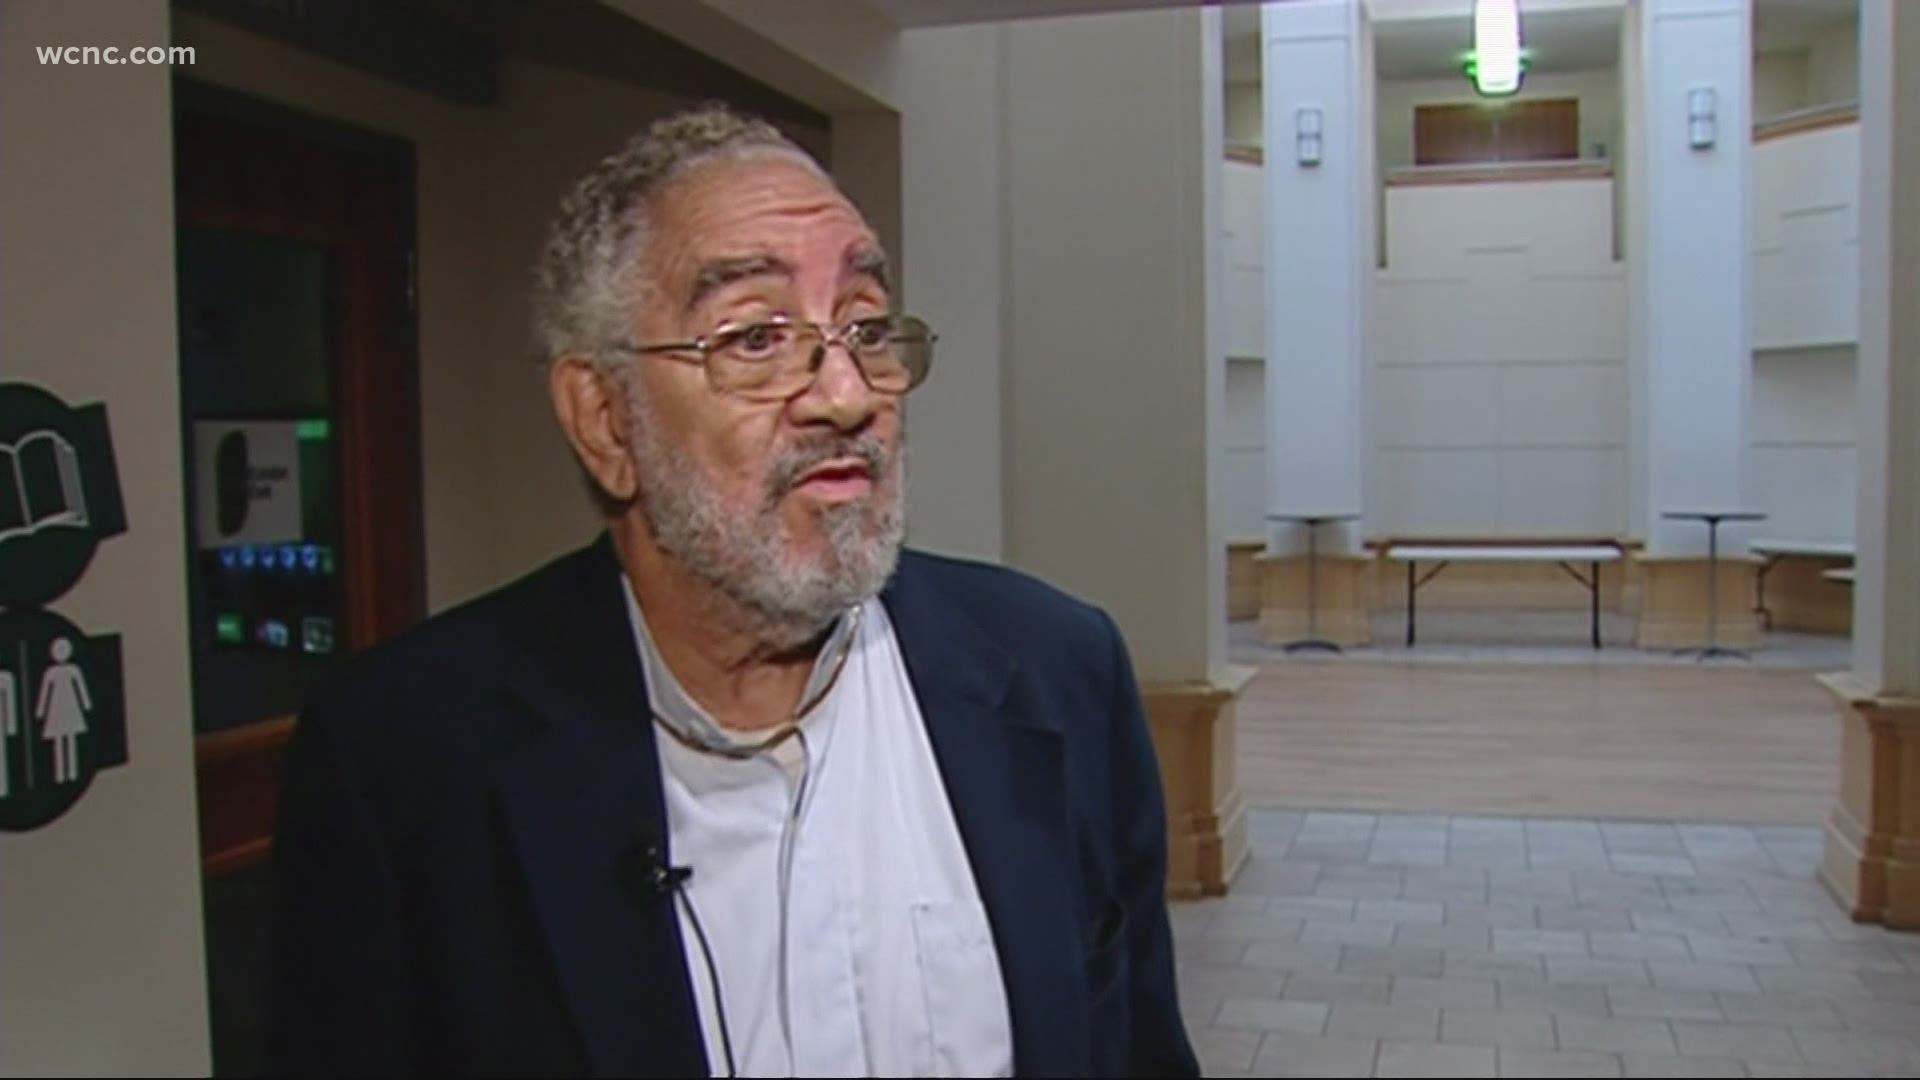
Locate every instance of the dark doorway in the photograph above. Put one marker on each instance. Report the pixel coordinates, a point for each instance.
(300, 427)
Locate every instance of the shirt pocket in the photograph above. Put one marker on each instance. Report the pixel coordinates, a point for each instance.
(968, 1032)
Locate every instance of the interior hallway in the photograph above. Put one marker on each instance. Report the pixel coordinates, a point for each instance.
(1396, 945)
(1605, 917)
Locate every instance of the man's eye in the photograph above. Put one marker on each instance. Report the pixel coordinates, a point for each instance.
(872, 333)
(759, 340)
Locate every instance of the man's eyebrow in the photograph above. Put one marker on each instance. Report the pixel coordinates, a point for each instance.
(719, 273)
(868, 262)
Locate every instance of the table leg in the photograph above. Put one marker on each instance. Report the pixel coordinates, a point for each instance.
(1713, 584)
(1593, 586)
(1760, 590)
(1411, 589)
(1313, 580)
(1713, 648)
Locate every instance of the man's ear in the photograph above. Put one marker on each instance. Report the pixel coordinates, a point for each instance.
(592, 410)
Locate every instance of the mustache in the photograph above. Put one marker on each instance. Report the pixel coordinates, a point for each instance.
(809, 455)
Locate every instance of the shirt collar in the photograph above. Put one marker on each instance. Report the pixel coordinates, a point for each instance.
(674, 708)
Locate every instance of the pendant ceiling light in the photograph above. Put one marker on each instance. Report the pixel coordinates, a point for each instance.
(1496, 65)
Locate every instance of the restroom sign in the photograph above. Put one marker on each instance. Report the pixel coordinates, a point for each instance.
(62, 715)
(62, 701)
(59, 493)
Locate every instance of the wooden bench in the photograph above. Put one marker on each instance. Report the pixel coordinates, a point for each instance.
(1444, 555)
(1772, 550)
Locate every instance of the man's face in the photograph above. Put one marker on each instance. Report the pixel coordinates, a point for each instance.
(791, 507)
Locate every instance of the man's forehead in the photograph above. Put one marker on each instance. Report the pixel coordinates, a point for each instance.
(739, 218)
(766, 193)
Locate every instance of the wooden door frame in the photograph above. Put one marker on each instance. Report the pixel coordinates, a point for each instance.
(351, 192)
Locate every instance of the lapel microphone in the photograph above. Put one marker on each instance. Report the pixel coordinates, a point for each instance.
(645, 875)
(668, 879)
(648, 879)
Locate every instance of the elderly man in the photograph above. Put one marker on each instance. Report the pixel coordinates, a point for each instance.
(743, 788)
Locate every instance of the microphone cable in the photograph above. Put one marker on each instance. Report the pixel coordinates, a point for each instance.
(675, 879)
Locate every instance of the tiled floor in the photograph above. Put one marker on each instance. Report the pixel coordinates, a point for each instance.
(1382, 945)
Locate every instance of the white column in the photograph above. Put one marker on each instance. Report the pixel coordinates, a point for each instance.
(1114, 369)
(1886, 611)
(1316, 72)
(1697, 262)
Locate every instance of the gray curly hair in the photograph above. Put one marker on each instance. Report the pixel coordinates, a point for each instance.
(588, 284)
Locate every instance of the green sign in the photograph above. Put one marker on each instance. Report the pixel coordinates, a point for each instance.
(62, 702)
(59, 493)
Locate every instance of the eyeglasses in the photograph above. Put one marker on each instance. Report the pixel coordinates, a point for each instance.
(778, 358)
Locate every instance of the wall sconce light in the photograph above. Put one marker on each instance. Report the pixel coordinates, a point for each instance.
(1701, 124)
(1306, 136)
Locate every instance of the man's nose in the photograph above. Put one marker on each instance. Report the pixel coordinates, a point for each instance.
(839, 393)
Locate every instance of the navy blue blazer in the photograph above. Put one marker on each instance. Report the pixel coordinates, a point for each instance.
(460, 879)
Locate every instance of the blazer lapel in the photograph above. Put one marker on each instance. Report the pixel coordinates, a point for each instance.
(1004, 775)
(583, 805)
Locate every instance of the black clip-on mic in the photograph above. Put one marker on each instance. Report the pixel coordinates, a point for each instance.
(655, 880)
(663, 879)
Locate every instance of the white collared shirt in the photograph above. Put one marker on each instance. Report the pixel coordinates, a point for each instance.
(837, 848)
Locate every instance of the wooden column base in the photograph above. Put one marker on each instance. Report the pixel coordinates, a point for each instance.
(1342, 598)
(1193, 733)
(1673, 601)
(1872, 857)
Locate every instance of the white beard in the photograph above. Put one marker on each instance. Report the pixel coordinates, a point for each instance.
(749, 558)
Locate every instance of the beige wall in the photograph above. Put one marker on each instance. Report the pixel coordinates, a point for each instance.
(1109, 368)
(1833, 64)
(101, 959)
(1598, 92)
(1824, 70)
(951, 209)
(1244, 125)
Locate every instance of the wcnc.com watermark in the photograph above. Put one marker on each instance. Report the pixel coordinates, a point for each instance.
(81, 55)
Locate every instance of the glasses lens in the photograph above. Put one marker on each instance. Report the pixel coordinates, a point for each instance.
(912, 342)
(765, 360)
(775, 361)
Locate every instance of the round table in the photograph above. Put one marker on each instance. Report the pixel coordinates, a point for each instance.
(1713, 516)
